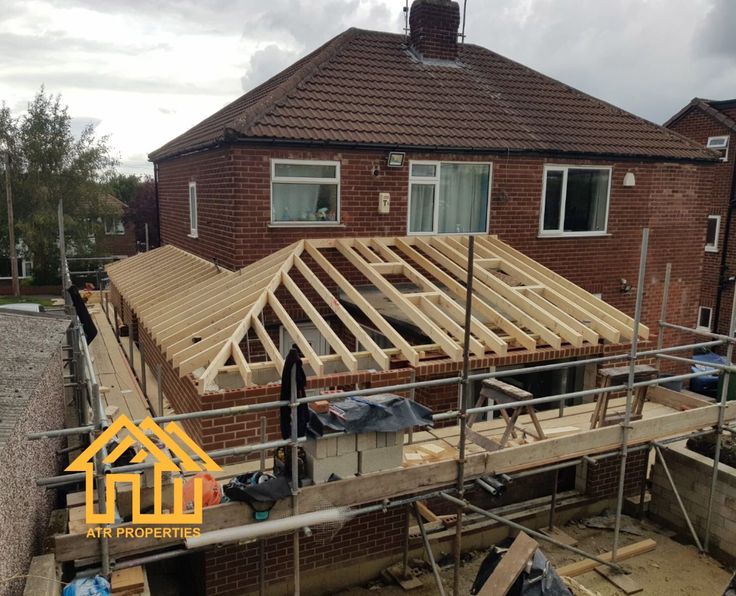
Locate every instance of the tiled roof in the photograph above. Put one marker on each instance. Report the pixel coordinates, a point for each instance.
(366, 87)
(723, 111)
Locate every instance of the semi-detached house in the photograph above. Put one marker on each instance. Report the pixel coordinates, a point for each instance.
(378, 134)
(426, 141)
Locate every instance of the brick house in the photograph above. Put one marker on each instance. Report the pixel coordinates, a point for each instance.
(116, 238)
(712, 124)
(376, 135)
(540, 164)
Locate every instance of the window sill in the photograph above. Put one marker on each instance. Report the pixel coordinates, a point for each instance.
(711, 250)
(486, 233)
(575, 235)
(194, 236)
(304, 224)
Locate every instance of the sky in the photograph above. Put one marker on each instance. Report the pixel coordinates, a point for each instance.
(144, 71)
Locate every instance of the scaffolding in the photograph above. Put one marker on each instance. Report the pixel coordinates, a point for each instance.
(630, 439)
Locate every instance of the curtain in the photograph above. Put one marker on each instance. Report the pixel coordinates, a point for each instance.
(304, 202)
(421, 218)
(463, 205)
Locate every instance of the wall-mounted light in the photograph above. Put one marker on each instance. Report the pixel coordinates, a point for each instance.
(396, 159)
(625, 286)
(629, 179)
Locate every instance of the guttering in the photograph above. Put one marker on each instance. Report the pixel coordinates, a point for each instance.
(274, 141)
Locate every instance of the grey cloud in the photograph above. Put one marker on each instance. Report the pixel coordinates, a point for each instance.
(265, 63)
(716, 35)
(55, 79)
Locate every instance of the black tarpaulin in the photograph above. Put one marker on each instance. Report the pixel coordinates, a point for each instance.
(379, 413)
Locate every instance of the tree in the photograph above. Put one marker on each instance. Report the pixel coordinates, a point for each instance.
(143, 210)
(124, 186)
(49, 164)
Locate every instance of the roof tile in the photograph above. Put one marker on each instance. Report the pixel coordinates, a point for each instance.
(366, 87)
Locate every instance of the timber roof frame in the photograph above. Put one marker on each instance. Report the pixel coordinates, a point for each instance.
(199, 314)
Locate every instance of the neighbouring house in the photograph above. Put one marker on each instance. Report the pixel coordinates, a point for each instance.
(712, 124)
(31, 398)
(116, 238)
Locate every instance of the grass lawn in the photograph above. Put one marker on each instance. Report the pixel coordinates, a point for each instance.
(43, 300)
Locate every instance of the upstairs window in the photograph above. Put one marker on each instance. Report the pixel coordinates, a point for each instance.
(193, 209)
(305, 191)
(448, 197)
(575, 201)
(711, 235)
(114, 226)
(719, 144)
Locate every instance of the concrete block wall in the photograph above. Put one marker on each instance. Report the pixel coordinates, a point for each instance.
(691, 473)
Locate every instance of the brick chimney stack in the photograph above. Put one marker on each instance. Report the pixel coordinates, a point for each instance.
(433, 27)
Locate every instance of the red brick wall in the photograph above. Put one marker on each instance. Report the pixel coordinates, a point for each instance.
(234, 203)
(697, 125)
(234, 569)
(602, 479)
(117, 244)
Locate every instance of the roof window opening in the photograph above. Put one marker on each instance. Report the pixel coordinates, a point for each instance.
(719, 144)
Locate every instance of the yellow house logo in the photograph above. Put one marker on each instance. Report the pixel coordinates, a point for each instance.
(179, 445)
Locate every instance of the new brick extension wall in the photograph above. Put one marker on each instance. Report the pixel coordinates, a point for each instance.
(234, 569)
(233, 187)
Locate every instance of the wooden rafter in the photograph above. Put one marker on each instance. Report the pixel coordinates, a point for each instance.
(200, 315)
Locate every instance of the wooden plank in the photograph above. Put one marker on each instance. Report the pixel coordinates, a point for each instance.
(245, 372)
(273, 352)
(623, 582)
(42, 578)
(625, 552)
(295, 333)
(357, 298)
(360, 334)
(482, 308)
(446, 322)
(415, 315)
(675, 399)
(510, 567)
(450, 248)
(332, 339)
(492, 297)
(128, 580)
(571, 307)
(562, 285)
(426, 512)
(411, 480)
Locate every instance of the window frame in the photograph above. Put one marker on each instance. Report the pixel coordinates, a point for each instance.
(725, 147)
(436, 181)
(193, 221)
(710, 319)
(713, 247)
(291, 180)
(559, 232)
(113, 219)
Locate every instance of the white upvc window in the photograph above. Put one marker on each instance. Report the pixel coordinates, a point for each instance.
(705, 318)
(720, 144)
(193, 210)
(25, 268)
(711, 234)
(305, 192)
(575, 200)
(449, 197)
(114, 226)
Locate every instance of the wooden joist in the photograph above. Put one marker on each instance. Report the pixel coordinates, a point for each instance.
(198, 314)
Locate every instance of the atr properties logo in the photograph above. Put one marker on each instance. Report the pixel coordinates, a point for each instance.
(178, 444)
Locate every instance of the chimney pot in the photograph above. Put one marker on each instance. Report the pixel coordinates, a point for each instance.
(433, 27)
